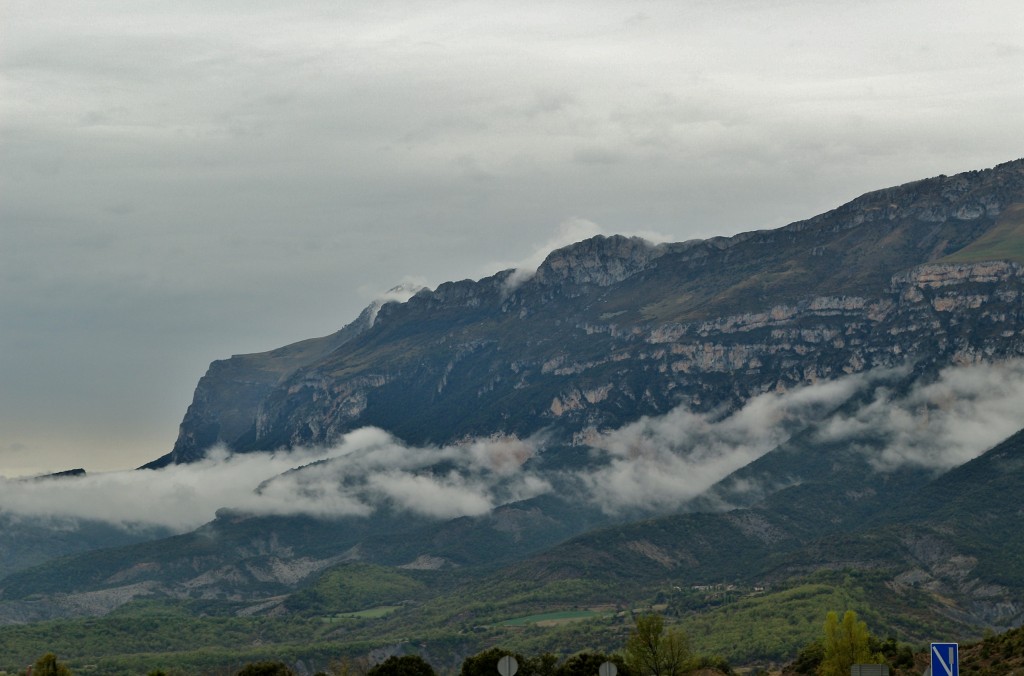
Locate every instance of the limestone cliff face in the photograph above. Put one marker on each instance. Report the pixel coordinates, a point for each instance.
(614, 328)
(227, 398)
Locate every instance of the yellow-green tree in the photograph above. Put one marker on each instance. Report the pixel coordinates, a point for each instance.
(846, 643)
(47, 665)
(653, 651)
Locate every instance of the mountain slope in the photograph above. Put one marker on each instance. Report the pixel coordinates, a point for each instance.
(944, 549)
(247, 560)
(958, 539)
(26, 542)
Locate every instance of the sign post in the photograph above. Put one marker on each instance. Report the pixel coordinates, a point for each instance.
(945, 659)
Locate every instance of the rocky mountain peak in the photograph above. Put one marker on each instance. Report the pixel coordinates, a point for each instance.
(599, 260)
(963, 197)
(396, 294)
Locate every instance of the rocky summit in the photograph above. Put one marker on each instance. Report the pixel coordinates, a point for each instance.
(613, 328)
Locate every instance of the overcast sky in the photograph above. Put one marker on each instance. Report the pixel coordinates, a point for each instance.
(182, 181)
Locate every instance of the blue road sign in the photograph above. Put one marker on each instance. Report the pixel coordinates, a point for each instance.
(945, 659)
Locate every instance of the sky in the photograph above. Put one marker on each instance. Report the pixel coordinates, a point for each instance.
(183, 181)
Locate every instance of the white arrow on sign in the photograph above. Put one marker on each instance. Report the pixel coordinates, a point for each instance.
(607, 669)
(945, 660)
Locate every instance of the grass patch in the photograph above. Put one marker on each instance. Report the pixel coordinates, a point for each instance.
(551, 619)
(1005, 241)
(368, 614)
(352, 588)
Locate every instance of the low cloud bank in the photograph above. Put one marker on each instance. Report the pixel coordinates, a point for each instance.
(369, 468)
(939, 425)
(660, 463)
(653, 464)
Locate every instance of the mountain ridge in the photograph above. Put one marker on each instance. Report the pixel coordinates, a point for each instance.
(603, 295)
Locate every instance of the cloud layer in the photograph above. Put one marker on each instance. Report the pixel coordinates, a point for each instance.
(368, 469)
(939, 425)
(653, 465)
(660, 463)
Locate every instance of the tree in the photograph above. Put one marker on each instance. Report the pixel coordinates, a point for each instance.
(350, 666)
(266, 669)
(651, 651)
(897, 655)
(808, 660)
(846, 643)
(587, 664)
(545, 664)
(407, 665)
(47, 665)
(486, 663)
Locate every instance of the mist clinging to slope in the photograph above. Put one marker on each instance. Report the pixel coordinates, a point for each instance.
(654, 464)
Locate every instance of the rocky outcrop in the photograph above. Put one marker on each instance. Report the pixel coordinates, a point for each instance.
(227, 399)
(601, 261)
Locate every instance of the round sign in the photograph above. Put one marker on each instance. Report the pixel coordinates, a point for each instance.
(607, 669)
(507, 666)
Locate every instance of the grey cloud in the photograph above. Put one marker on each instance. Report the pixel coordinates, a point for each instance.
(597, 155)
